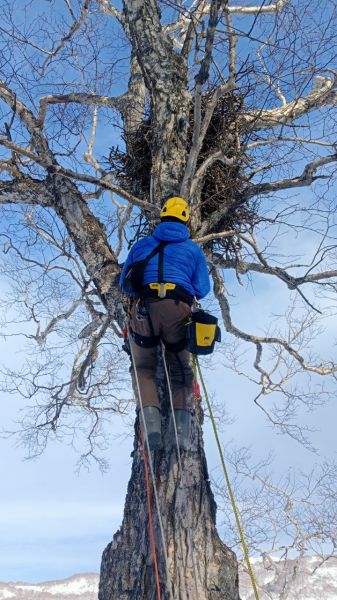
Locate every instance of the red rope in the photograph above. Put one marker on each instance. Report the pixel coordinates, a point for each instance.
(149, 510)
(197, 393)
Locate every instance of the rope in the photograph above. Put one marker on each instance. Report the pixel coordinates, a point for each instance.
(196, 366)
(160, 520)
(182, 484)
(149, 510)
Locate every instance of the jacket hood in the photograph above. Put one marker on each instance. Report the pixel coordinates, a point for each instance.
(170, 231)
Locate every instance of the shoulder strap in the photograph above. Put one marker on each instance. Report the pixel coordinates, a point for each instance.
(158, 249)
(154, 252)
(161, 265)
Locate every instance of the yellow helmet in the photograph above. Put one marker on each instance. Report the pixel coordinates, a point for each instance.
(176, 207)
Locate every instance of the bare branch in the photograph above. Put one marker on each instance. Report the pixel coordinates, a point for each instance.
(199, 127)
(110, 10)
(253, 10)
(232, 40)
(31, 123)
(242, 267)
(296, 140)
(324, 368)
(21, 151)
(106, 184)
(215, 236)
(190, 17)
(194, 15)
(117, 102)
(70, 9)
(269, 80)
(75, 27)
(91, 356)
(305, 179)
(292, 282)
(41, 336)
(102, 182)
(88, 155)
(210, 160)
(24, 40)
(26, 191)
(124, 219)
(323, 94)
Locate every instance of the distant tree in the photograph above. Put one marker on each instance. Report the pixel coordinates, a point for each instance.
(290, 523)
(105, 110)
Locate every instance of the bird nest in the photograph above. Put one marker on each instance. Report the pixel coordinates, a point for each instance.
(223, 185)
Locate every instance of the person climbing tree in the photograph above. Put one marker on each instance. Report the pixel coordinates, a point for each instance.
(106, 108)
(172, 272)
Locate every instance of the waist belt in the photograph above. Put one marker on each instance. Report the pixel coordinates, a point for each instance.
(162, 291)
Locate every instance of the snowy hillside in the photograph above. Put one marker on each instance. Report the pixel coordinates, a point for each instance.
(302, 581)
(298, 580)
(73, 588)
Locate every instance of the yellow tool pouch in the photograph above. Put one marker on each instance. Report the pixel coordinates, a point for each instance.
(202, 332)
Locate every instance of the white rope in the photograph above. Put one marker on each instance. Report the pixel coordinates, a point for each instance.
(160, 520)
(182, 481)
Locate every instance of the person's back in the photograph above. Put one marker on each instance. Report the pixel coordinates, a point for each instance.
(183, 261)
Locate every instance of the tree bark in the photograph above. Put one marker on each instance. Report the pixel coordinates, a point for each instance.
(165, 75)
(200, 566)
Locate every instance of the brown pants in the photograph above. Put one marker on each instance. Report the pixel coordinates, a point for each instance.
(168, 319)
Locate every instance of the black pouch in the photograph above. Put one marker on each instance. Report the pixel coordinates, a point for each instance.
(134, 276)
(202, 332)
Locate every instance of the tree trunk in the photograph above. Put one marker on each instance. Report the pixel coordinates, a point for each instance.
(200, 566)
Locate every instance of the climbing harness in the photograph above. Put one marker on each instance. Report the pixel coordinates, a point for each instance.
(148, 341)
(201, 333)
(173, 291)
(196, 367)
(150, 462)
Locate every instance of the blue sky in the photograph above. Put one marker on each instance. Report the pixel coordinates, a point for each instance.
(53, 521)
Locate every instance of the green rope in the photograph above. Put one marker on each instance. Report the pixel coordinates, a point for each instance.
(196, 366)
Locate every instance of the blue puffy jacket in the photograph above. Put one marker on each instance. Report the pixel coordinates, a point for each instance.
(184, 261)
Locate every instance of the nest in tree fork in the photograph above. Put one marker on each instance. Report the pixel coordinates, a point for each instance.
(222, 186)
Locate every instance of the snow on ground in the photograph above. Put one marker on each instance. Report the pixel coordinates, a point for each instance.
(310, 578)
(307, 579)
(78, 586)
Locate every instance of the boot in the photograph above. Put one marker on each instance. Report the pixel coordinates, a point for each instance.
(153, 426)
(183, 424)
